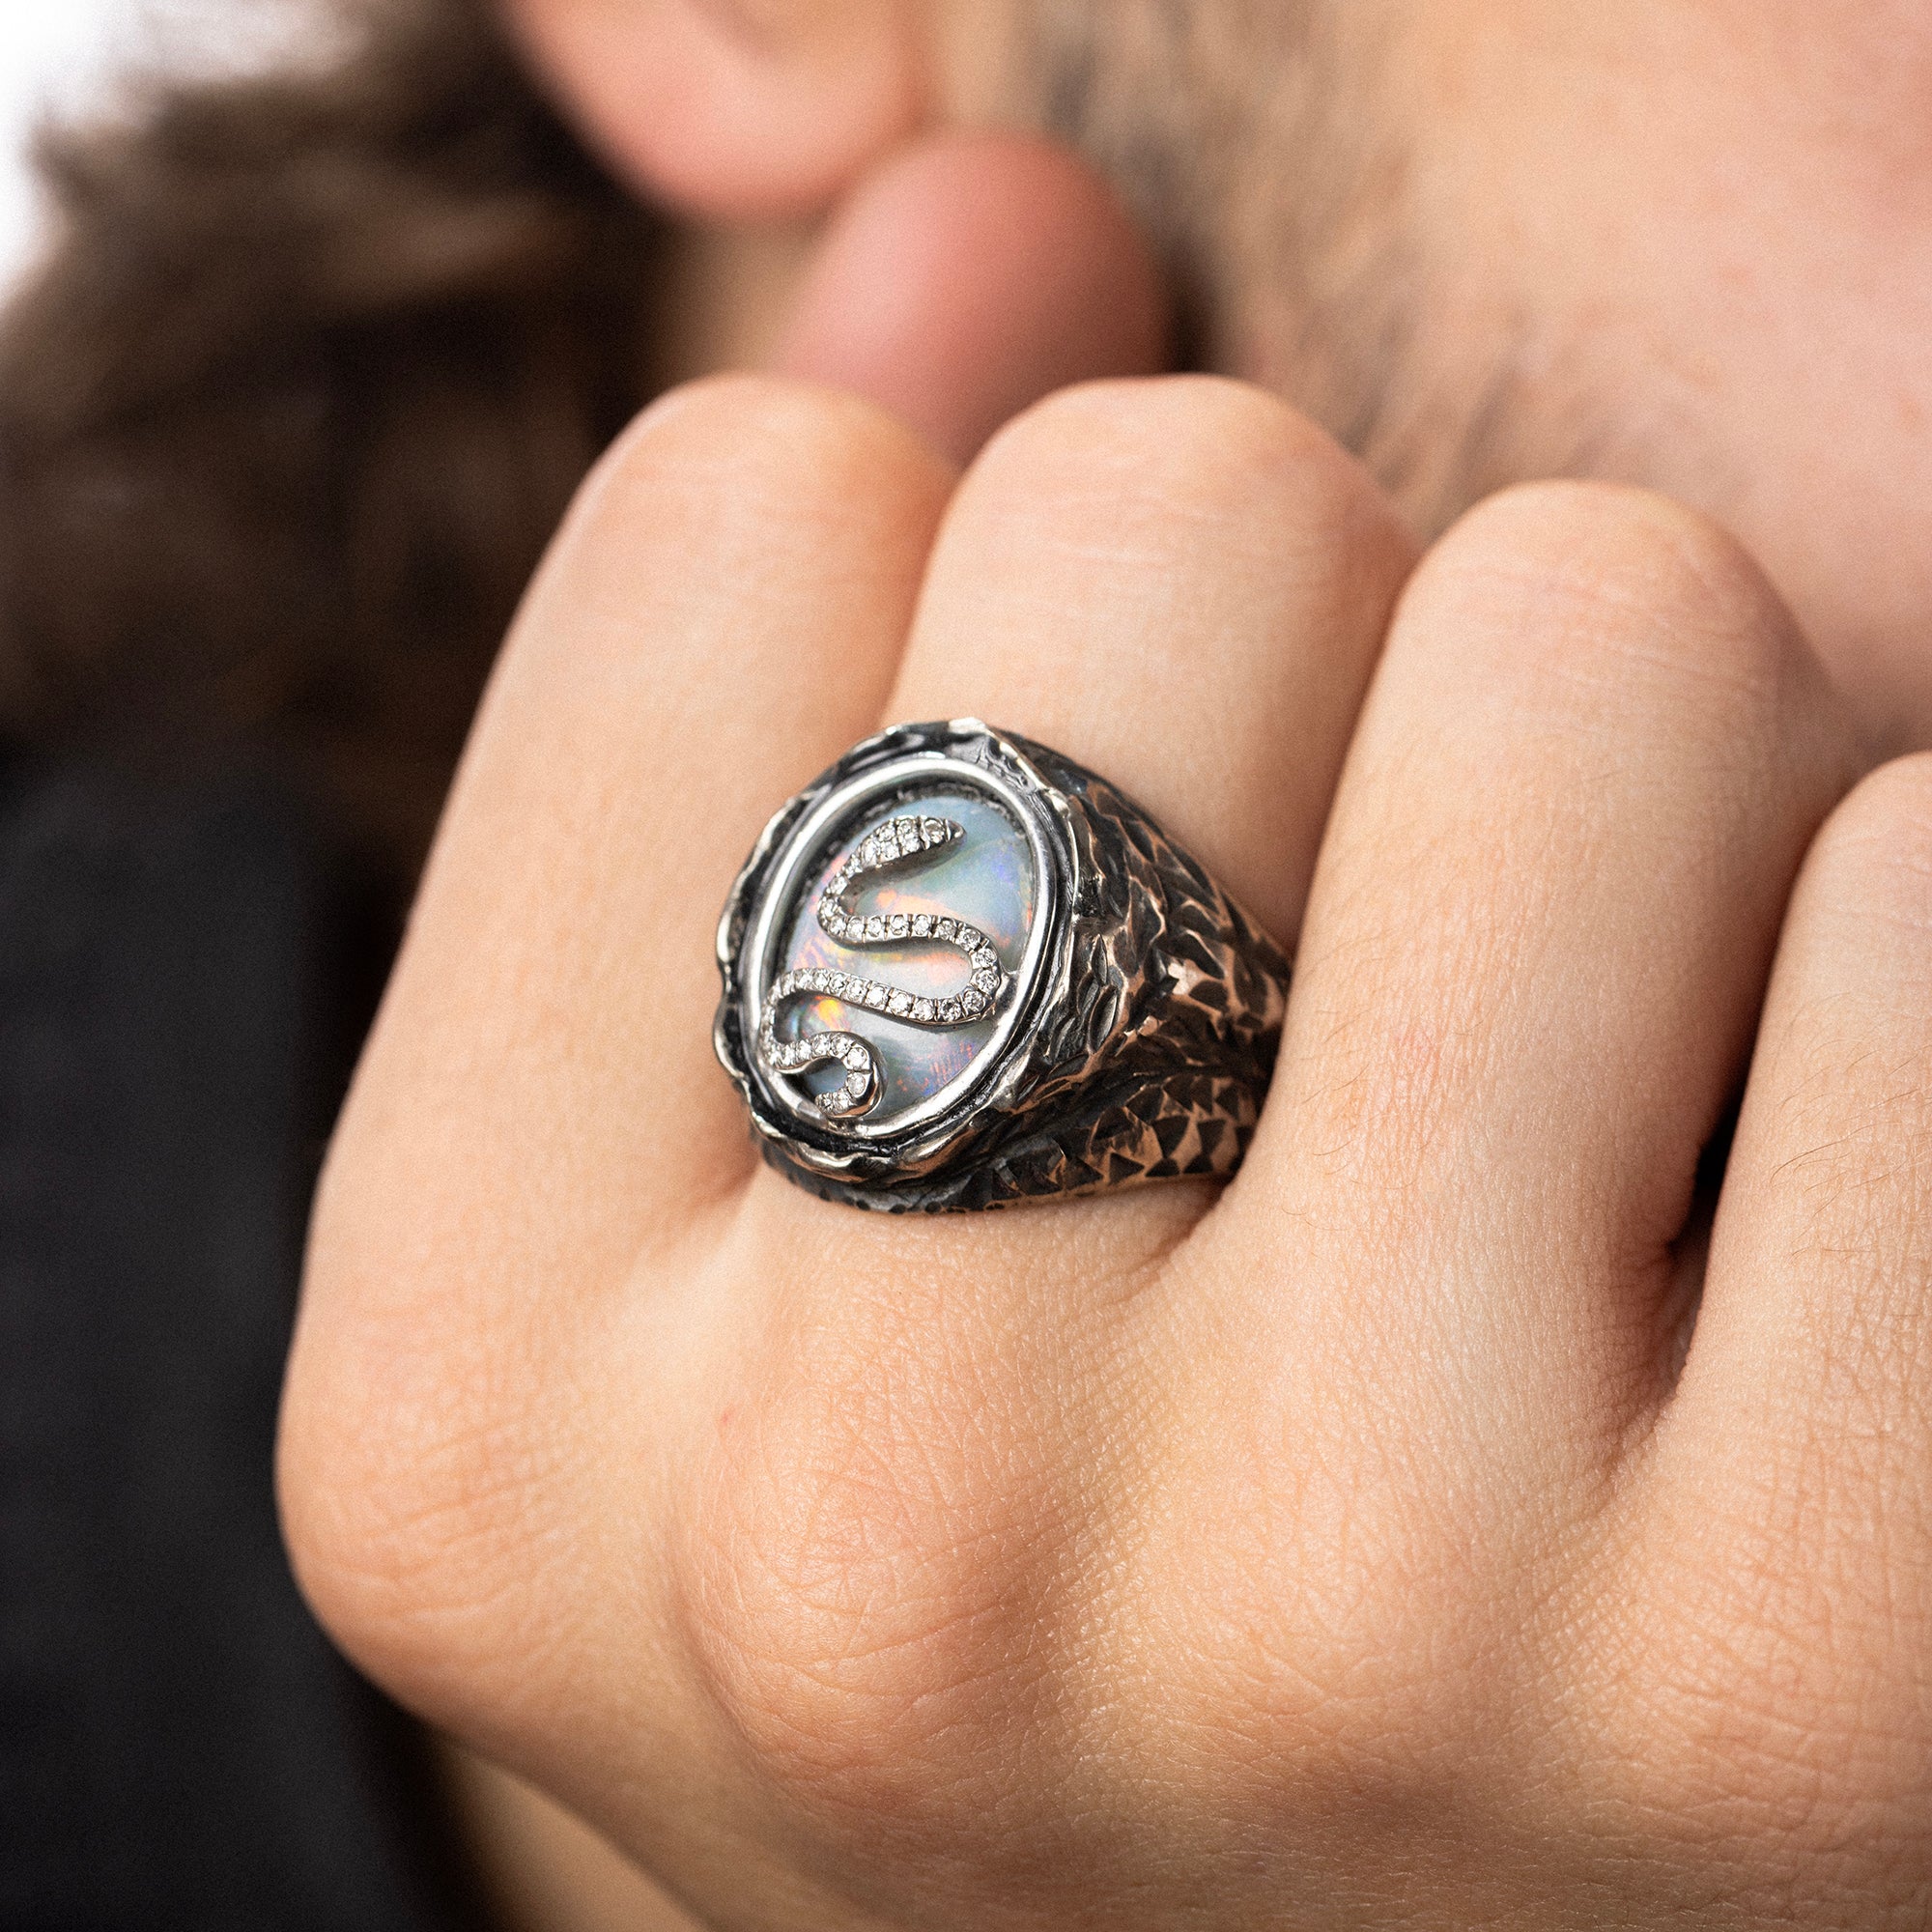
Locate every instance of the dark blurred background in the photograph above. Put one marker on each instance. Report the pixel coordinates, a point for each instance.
(305, 344)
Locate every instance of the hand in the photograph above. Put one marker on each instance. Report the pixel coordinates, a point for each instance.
(1347, 1550)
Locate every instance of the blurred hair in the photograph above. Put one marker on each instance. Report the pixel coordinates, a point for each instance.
(288, 412)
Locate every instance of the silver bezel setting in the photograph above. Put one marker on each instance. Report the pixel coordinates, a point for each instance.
(909, 779)
(1135, 1036)
(903, 763)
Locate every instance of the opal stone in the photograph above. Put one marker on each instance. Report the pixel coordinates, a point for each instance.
(986, 879)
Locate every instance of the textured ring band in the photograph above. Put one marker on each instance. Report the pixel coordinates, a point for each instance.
(961, 971)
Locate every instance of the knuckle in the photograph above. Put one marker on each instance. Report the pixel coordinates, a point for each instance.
(898, 1612)
(395, 1520)
(731, 448)
(1203, 445)
(870, 1583)
(1758, 1702)
(408, 1468)
(1608, 590)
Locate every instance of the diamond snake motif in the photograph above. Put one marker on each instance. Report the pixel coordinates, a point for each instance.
(888, 845)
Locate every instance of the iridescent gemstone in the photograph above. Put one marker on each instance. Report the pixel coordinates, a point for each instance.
(945, 880)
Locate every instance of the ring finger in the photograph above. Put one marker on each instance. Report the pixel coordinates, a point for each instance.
(1183, 585)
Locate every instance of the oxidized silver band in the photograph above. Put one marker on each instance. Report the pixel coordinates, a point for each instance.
(960, 971)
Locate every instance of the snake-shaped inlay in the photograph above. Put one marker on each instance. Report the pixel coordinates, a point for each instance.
(888, 845)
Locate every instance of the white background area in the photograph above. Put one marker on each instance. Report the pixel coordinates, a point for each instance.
(65, 54)
(52, 52)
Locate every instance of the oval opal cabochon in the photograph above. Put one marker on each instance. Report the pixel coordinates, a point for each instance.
(986, 879)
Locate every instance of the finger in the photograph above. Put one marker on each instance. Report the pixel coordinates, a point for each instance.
(1801, 1422)
(719, 617)
(1183, 585)
(971, 275)
(1594, 754)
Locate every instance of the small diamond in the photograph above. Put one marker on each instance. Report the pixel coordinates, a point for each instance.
(973, 1001)
(832, 920)
(855, 1086)
(922, 1010)
(899, 926)
(946, 928)
(988, 981)
(875, 927)
(933, 830)
(875, 994)
(901, 1004)
(985, 956)
(855, 1057)
(922, 926)
(970, 939)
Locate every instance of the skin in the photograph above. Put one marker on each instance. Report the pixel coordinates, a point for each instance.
(1396, 1538)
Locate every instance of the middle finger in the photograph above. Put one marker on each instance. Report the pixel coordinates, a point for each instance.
(1595, 754)
(1184, 586)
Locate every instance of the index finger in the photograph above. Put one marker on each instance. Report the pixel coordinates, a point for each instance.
(719, 617)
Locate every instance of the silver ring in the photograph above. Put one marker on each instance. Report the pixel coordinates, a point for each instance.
(961, 971)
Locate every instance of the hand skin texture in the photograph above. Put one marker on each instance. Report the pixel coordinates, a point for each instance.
(1359, 1547)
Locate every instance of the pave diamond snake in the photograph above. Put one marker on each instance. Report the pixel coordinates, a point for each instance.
(888, 845)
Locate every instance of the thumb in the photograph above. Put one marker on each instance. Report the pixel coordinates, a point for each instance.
(970, 274)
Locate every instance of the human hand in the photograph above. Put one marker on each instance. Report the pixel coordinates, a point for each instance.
(1344, 1549)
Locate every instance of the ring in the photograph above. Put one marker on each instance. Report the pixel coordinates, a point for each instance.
(961, 971)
